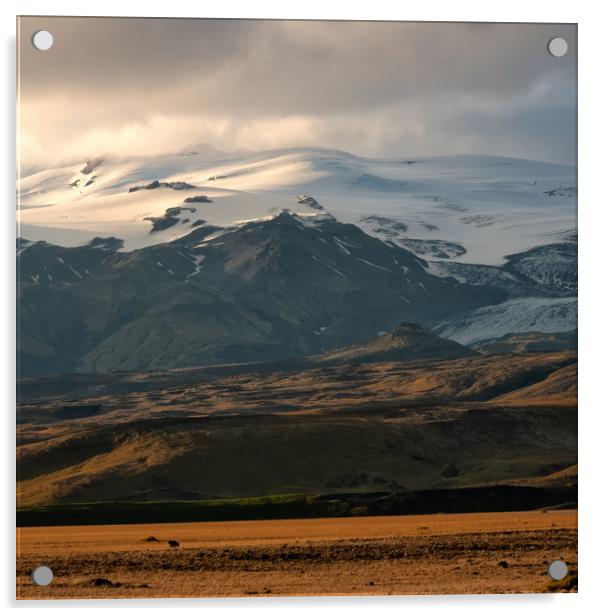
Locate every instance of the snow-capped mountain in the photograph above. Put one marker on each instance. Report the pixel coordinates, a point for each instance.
(471, 209)
(207, 257)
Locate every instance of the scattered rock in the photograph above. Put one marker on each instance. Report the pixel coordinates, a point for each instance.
(156, 184)
(265, 591)
(198, 199)
(169, 219)
(173, 543)
(91, 165)
(160, 224)
(503, 564)
(561, 191)
(309, 201)
(151, 538)
(106, 243)
(101, 582)
(176, 211)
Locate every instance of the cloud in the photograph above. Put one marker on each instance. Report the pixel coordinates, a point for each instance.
(137, 86)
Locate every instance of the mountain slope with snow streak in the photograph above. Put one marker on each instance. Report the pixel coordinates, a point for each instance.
(286, 287)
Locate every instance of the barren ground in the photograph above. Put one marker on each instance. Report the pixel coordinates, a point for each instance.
(442, 553)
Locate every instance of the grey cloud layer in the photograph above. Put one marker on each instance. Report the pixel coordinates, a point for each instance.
(389, 89)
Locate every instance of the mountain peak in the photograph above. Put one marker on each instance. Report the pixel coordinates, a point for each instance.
(404, 328)
(288, 217)
(285, 217)
(408, 341)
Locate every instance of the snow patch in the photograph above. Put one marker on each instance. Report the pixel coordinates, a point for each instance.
(373, 264)
(74, 271)
(532, 314)
(341, 246)
(334, 269)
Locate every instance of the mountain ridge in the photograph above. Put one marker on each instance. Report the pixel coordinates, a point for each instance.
(283, 287)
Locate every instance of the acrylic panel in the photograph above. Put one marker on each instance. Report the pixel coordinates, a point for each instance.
(296, 308)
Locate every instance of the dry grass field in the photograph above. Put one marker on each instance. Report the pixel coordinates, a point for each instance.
(419, 554)
(370, 427)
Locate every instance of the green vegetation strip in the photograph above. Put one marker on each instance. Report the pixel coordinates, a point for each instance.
(282, 506)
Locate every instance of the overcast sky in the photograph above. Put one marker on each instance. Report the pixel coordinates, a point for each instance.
(386, 89)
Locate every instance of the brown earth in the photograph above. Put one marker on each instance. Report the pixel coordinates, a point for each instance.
(424, 554)
(199, 434)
